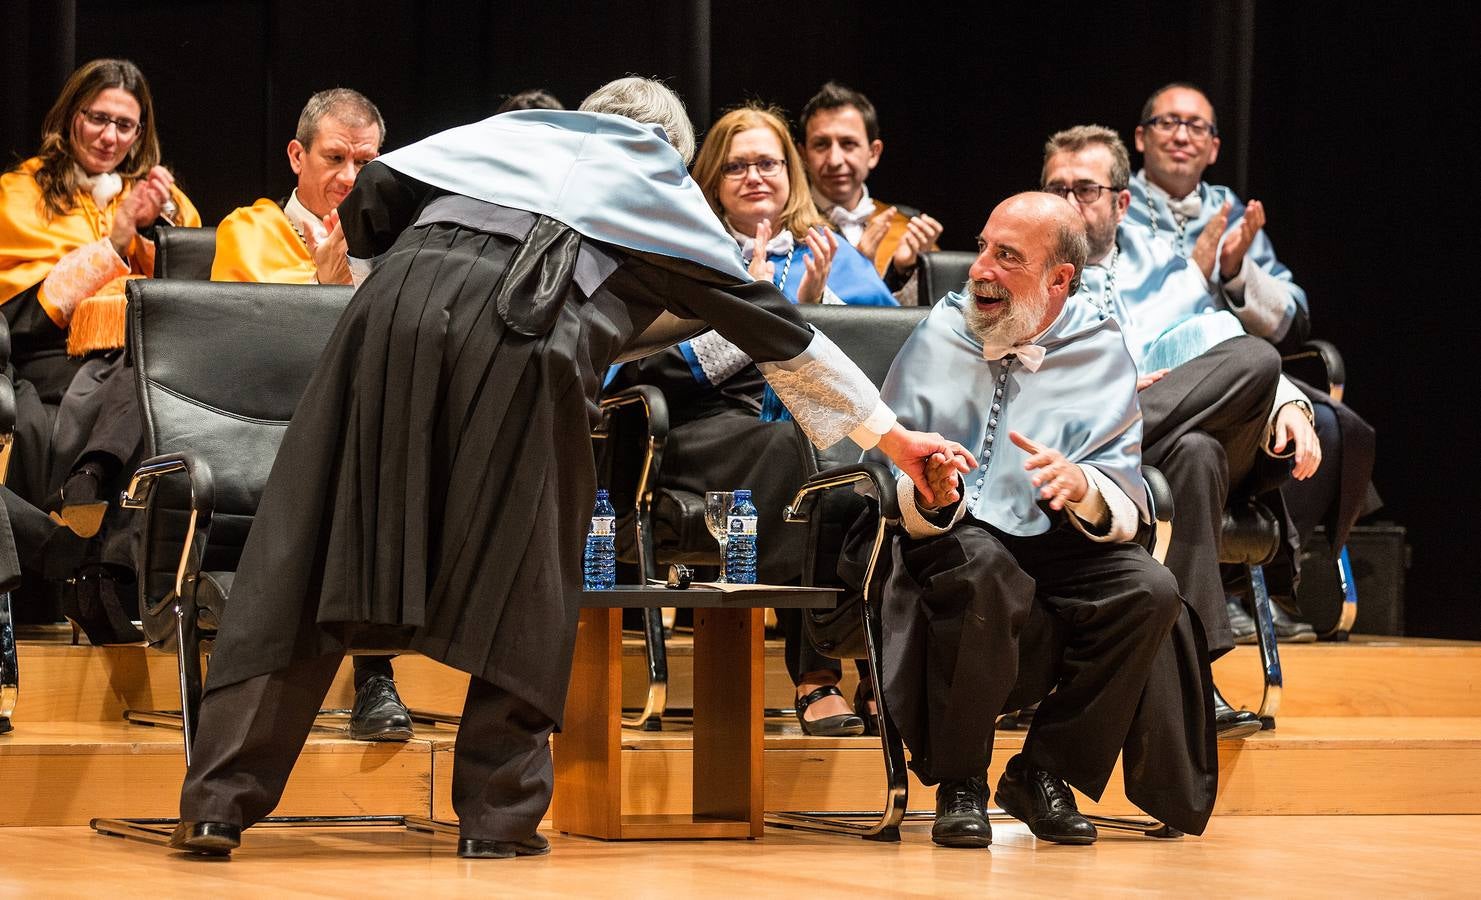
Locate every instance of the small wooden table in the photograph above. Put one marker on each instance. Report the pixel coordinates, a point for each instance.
(728, 720)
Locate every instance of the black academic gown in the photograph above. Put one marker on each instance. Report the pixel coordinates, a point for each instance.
(437, 477)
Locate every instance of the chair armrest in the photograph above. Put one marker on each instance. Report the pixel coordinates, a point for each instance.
(140, 495)
(7, 405)
(4, 343)
(839, 476)
(1325, 354)
(655, 436)
(1159, 501)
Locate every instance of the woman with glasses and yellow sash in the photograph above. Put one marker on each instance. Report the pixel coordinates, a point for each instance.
(76, 223)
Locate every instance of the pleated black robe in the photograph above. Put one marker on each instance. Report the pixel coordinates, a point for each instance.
(437, 477)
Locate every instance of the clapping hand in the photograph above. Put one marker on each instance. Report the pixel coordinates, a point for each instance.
(331, 256)
(1207, 245)
(141, 207)
(920, 235)
(823, 244)
(761, 268)
(1237, 242)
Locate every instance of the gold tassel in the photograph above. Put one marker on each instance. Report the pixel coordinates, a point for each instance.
(98, 323)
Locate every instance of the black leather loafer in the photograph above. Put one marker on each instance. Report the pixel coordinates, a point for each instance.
(1232, 724)
(845, 725)
(475, 848)
(1045, 804)
(379, 714)
(206, 838)
(961, 814)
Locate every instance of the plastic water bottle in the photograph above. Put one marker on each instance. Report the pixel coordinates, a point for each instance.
(740, 550)
(600, 559)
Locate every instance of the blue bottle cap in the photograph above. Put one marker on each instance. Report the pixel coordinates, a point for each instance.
(742, 494)
(601, 493)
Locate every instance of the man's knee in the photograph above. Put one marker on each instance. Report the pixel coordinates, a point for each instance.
(1253, 361)
(1163, 599)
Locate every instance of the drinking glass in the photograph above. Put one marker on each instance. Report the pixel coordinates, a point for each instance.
(717, 520)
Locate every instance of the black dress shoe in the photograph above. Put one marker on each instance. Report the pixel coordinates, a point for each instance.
(1232, 724)
(5, 726)
(206, 838)
(379, 714)
(1041, 801)
(961, 814)
(475, 848)
(844, 725)
(1240, 622)
(1288, 628)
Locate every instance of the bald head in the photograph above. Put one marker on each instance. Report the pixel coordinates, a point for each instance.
(1063, 228)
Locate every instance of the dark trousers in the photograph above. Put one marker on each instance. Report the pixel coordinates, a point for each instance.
(250, 734)
(1204, 428)
(955, 611)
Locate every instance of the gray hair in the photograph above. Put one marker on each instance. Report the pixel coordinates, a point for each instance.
(350, 107)
(1073, 140)
(648, 101)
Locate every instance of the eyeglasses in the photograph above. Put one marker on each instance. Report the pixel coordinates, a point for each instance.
(1086, 192)
(766, 168)
(1168, 124)
(126, 127)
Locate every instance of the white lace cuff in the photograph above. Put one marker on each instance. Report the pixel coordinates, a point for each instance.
(78, 275)
(718, 358)
(825, 392)
(914, 520)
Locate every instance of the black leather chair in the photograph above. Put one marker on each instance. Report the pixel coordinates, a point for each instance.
(184, 253)
(220, 369)
(942, 271)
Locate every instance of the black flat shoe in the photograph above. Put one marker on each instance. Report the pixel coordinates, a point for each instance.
(206, 838)
(961, 814)
(379, 714)
(1045, 804)
(1288, 628)
(845, 725)
(475, 848)
(1232, 724)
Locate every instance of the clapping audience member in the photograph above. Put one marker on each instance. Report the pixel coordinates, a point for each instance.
(77, 221)
(841, 146)
(1178, 136)
(726, 427)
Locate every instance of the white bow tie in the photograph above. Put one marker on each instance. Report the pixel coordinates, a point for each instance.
(1188, 207)
(857, 217)
(1031, 355)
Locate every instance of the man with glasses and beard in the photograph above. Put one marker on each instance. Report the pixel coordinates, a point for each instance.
(1172, 204)
(1217, 413)
(1024, 575)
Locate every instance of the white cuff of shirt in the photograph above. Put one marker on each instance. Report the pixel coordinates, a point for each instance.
(1105, 514)
(1285, 392)
(868, 432)
(914, 519)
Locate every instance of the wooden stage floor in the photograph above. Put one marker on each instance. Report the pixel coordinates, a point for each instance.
(1282, 856)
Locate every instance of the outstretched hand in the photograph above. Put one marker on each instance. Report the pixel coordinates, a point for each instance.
(1059, 481)
(931, 461)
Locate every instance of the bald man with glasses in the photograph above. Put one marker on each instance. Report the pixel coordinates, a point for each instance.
(1210, 225)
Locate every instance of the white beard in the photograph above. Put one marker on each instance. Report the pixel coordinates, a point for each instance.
(1018, 324)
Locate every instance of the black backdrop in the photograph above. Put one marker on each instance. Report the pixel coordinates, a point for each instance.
(1357, 132)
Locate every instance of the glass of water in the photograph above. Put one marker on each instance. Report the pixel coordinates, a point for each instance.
(717, 520)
